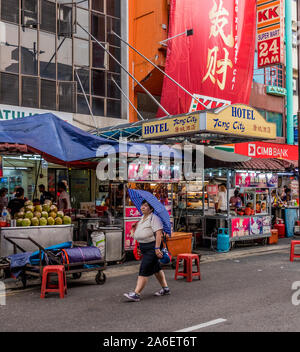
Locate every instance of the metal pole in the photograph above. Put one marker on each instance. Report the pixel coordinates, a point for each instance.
(88, 104)
(107, 51)
(289, 71)
(159, 69)
(135, 109)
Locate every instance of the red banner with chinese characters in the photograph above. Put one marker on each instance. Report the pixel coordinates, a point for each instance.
(214, 62)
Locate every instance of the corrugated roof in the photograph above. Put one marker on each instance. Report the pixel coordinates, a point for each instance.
(253, 164)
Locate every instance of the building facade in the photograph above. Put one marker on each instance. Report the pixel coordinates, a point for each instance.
(267, 94)
(50, 61)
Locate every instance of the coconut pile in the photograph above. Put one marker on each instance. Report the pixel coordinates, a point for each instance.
(41, 215)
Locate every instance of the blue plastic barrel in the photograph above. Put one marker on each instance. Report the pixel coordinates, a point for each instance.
(223, 240)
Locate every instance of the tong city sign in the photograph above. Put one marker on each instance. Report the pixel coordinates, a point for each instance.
(171, 126)
(240, 119)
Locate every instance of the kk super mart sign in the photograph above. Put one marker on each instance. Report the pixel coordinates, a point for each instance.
(265, 150)
(270, 32)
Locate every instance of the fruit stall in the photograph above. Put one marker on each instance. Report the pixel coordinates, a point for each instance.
(44, 223)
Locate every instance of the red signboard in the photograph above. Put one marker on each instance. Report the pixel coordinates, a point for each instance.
(270, 30)
(264, 150)
(215, 63)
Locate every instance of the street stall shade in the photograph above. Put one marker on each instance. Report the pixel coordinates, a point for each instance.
(55, 140)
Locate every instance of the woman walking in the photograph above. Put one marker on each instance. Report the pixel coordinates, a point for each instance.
(149, 234)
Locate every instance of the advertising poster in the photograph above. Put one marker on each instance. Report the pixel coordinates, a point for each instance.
(129, 240)
(240, 227)
(266, 222)
(256, 226)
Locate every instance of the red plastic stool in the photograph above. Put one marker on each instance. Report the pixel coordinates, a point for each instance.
(62, 282)
(292, 253)
(188, 266)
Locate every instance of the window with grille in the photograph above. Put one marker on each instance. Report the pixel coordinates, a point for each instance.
(65, 20)
(67, 96)
(48, 16)
(48, 94)
(29, 15)
(9, 88)
(10, 10)
(30, 91)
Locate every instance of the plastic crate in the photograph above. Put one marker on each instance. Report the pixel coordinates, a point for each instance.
(179, 242)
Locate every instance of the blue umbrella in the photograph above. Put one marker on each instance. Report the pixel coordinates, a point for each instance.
(137, 197)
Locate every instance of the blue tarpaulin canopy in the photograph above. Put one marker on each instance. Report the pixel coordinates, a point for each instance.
(51, 135)
(58, 141)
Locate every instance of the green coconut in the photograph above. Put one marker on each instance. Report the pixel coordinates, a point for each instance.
(46, 207)
(19, 222)
(29, 208)
(53, 208)
(37, 214)
(26, 222)
(58, 221)
(28, 202)
(44, 214)
(29, 215)
(20, 215)
(67, 220)
(35, 221)
(38, 208)
(60, 214)
(43, 221)
(50, 221)
(52, 214)
(48, 202)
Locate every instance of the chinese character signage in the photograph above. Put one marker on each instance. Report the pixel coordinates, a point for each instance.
(270, 32)
(240, 120)
(215, 64)
(177, 125)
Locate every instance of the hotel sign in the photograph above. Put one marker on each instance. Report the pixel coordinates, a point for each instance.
(175, 126)
(240, 120)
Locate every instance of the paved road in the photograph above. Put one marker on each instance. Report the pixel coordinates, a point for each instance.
(252, 292)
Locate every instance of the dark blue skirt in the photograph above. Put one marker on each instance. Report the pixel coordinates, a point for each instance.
(150, 263)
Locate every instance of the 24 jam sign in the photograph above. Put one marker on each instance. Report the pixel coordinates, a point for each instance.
(270, 30)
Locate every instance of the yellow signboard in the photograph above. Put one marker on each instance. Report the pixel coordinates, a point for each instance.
(240, 120)
(174, 126)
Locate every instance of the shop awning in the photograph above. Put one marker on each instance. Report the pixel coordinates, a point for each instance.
(52, 136)
(62, 143)
(13, 148)
(272, 165)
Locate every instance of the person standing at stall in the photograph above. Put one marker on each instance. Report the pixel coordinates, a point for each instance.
(44, 194)
(236, 201)
(221, 205)
(149, 234)
(64, 198)
(3, 198)
(16, 203)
